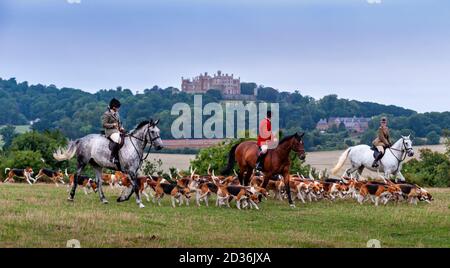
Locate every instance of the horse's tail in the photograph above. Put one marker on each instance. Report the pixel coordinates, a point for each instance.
(231, 160)
(341, 162)
(66, 154)
(6, 169)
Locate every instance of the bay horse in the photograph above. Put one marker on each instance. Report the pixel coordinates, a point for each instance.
(94, 149)
(276, 160)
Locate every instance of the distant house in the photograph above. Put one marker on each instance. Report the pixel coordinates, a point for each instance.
(322, 125)
(353, 124)
(226, 84)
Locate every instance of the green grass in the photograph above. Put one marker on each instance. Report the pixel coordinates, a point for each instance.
(40, 216)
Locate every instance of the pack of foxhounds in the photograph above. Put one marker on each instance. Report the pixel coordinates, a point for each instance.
(184, 187)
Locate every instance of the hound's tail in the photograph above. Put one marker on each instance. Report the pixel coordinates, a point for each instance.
(341, 162)
(66, 154)
(231, 160)
(6, 169)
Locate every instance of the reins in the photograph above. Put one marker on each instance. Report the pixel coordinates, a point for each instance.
(404, 152)
(142, 158)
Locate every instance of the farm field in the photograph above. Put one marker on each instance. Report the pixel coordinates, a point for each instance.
(40, 216)
(319, 160)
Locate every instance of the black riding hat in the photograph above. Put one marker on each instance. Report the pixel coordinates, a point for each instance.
(114, 103)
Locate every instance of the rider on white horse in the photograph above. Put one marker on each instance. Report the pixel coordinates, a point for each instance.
(113, 128)
(361, 157)
(382, 142)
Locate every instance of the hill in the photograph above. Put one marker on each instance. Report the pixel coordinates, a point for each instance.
(77, 113)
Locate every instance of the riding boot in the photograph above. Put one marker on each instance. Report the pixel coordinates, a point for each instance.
(260, 162)
(115, 154)
(377, 158)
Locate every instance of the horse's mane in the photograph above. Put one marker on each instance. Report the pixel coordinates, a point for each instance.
(143, 123)
(285, 139)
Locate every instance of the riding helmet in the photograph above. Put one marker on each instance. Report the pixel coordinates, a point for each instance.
(114, 103)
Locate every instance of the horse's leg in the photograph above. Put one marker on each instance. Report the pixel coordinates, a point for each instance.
(98, 176)
(288, 188)
(360, 172)
(133, 178)
(80, 168)
(351, 170)
(248, 174)
(241, 174)
(266, 180)
(387, 176)
(400, 175)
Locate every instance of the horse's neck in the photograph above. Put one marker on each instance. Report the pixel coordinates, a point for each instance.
(137, 139)
(284, 149)
(397, 148)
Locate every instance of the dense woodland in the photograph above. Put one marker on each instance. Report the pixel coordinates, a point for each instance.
(76, 113)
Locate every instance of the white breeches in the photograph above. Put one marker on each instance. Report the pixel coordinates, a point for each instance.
(380, 149)
(115, 137)
(264, 148)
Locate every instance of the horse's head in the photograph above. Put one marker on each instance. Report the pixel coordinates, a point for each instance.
(407, 144)
(153, 135)
(298, 145)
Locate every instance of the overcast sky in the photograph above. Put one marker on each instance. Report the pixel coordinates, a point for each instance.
(387, 51)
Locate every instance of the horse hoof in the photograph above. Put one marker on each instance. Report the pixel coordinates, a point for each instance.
(104, 201)
(141, 205)
(119, 200)
(292, 205)
(70, 199)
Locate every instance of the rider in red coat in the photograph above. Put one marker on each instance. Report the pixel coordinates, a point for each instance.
(265, 135)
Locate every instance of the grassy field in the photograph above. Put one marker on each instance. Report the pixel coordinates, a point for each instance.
(40, 216)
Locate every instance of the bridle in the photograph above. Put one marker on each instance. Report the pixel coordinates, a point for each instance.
(146, 141)
(404, 152)
(298, 151)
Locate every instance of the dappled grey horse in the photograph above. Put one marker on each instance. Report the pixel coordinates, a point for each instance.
(94, 149)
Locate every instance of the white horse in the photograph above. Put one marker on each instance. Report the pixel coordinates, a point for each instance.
(361, 157)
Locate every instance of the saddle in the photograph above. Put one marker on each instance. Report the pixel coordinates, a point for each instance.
(122, 141)
(375, 151)
(112, 144)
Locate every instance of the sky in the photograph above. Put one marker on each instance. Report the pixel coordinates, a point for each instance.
(387, 51)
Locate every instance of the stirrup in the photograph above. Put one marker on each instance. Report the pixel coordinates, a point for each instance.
(375, 164)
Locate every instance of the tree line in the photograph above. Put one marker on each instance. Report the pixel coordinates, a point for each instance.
(76, 113)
